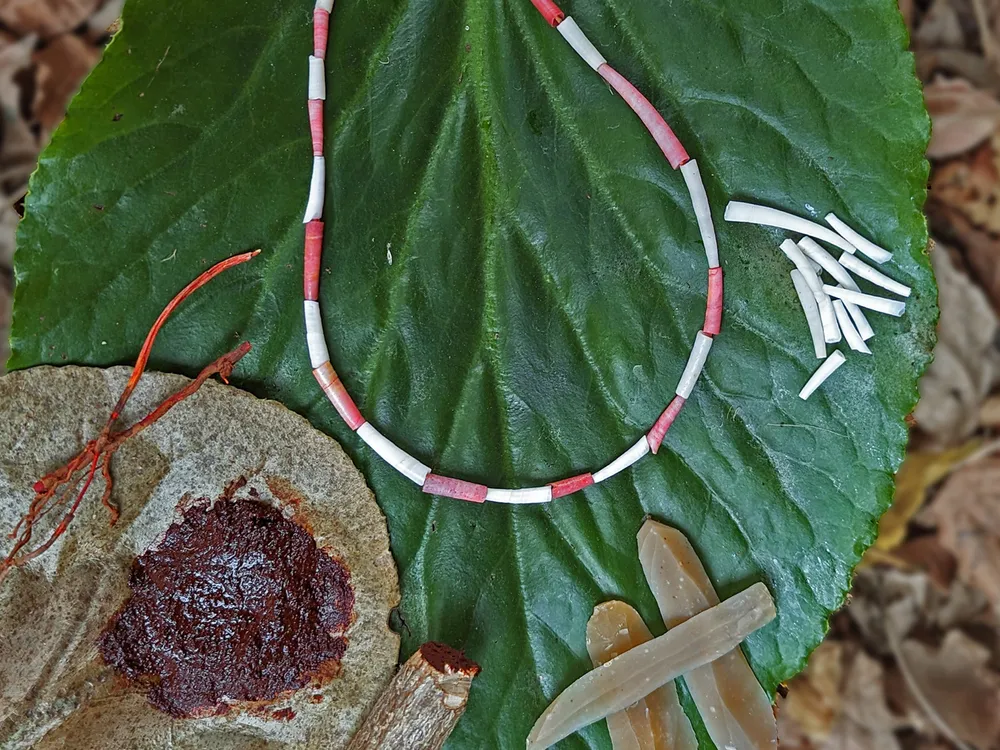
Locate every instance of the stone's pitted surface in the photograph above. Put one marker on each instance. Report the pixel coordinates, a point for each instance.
(55, 692)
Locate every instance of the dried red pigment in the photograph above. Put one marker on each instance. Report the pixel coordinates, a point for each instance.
(236, 603)
(444, 658)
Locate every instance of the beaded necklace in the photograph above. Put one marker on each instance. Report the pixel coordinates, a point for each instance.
(319, 355)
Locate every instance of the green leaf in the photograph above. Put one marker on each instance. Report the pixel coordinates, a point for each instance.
(545, 285)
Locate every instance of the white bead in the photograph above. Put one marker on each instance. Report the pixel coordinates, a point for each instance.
(695, 364)
(326, 5)
(825, 370)
(811, 309)
(393, 455)
(520, 497)
(828, 263)
(749, 213)
(315, 340)
(702, 211)
(873, 251)
(317, 191)
(625, 460)
(854, 339)
(578, 41)
(317, 78)
(870, 301)
(876, 277)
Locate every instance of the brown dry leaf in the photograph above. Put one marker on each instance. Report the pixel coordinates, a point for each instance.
(963, 117)
(814, 697)
(865, 722)
(959, 684)
(54, 691)
(971, 185)
(966, 360)
(919, 472)
(62, 66)
(967, 513)
(46, 18)
(941, 26)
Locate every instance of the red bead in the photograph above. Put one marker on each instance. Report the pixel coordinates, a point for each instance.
(337, 394)
(316, 125)
(313, 254)
(571, 484)
(459, 489)
(321, 31)
(659, 430)
(653, 120)
(550, 11)
(713, 307)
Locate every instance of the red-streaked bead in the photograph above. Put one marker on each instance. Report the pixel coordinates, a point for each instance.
(550, 11)
(316, 125)
(713, 307)
(571, 484)
(653, 120)
(313, 255)
(321, 31)
(337, 394)
(435, 484)
(659, 430)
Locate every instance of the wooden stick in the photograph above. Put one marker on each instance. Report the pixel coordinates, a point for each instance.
(422, 704)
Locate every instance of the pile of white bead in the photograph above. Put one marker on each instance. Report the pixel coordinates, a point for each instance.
(833, 312)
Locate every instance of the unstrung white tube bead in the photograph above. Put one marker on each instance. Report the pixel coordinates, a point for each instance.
(876, 277)
(828, 263)
(702, 211)
(851, 334)
(824, 371)
(317, 191)
(519, 497)
(811, 309)
(860, 321)
(393, 455)
(873, 251)
(578, 41)
(326, 5)
(695, 364)
(625, 460)
(315, 340)
(749, 213)
(317, 78)
(831, 331)
(869, 301)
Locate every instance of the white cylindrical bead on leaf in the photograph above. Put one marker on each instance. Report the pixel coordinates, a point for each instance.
(519, 497)
(869, 301)
(825, 370)
(579, 41)
(749, 213)
(827, 262)
(831, 331)
(315, 340)
(702, 211)
(811, 309)
(851, 334)
(326, 5)
(695, 364)
(393, 455)
(860, 321)
(317, 78)
(317, 191)
(876, 277)
(873, 251)
(625, 460)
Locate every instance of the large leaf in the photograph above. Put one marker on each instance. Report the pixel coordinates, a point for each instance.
(545, 284)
